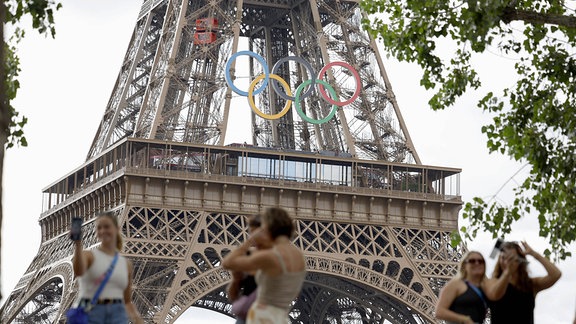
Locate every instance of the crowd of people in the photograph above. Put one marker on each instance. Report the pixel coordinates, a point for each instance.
(268, 272)
(507, 297)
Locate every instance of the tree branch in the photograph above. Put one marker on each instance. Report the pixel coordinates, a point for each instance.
(537, 18)
(4, 116)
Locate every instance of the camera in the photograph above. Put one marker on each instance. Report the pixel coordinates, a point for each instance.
(76, 229)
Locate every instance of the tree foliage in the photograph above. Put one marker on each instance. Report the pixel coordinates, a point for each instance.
(534, 120)
(41, 13)
(11, 13)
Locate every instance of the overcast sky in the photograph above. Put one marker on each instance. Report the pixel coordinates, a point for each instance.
(66, 84)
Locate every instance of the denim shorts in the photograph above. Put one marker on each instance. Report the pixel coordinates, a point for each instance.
(108, 314)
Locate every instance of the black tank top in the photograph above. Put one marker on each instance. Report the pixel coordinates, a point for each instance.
(469, 303)
(515, 306)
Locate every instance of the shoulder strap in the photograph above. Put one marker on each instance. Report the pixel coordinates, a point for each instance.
(478, 292)
(282, 264)
(105, 280)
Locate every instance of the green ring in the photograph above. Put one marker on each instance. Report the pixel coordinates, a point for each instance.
(299, 109)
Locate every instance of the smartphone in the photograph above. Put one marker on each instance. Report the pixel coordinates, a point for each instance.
(76, 229)
(497, 248)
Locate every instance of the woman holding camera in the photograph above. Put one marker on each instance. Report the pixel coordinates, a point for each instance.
(92, 266)
(461, 300)
(510, 291)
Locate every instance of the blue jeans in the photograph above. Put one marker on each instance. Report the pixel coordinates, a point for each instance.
(108, 314)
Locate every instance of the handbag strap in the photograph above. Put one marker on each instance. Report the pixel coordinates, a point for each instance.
(478, 292)
(105, 280)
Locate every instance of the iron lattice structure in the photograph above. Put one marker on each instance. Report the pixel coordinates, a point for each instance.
(172, 82)
(374, 223)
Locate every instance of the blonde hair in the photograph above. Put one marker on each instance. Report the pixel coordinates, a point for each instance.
(462, 266)
(114, 219)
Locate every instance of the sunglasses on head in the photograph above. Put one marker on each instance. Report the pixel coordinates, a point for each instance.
(475, 261)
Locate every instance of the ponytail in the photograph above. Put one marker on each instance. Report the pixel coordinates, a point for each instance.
(119, 241)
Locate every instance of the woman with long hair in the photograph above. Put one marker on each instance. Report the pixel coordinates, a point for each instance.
(114, 304)
(280, 269)
(511, 291)
(462, 300)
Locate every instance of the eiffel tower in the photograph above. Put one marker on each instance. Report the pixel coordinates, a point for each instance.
(374, 222)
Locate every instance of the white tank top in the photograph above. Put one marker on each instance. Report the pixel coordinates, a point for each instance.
(279, 291)
(90, 280)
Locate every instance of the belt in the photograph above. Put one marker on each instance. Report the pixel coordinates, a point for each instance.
(105, 301)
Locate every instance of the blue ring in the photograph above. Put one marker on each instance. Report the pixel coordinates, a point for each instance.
(229, 77)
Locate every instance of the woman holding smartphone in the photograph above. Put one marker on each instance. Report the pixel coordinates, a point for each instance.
(462, 299)
(511, 292)
(114, 303)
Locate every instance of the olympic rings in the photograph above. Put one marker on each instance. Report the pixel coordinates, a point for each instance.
(287, 94)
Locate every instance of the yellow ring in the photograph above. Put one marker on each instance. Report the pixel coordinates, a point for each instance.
(251, 97)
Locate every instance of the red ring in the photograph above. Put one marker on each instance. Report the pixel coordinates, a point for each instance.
(358, 83)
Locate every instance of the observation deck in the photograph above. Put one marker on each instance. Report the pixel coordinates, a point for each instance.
(245, 179)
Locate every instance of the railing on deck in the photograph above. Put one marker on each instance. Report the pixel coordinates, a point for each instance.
(249, 164)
